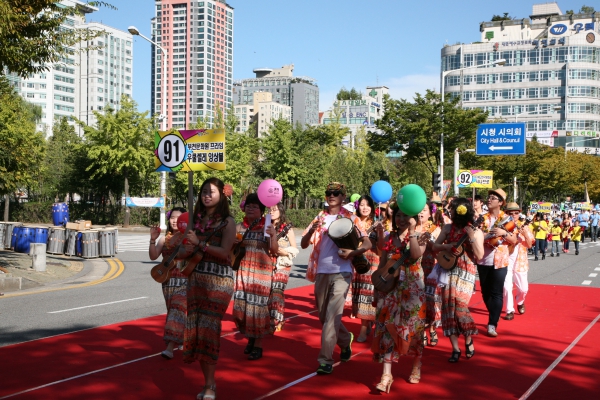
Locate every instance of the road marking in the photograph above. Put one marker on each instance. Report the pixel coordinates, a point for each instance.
(96, 305)
(593, 275)
(539, 381)
(596, 269)
(586, 282)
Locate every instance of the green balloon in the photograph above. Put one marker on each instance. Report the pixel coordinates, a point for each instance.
(354, 197)
(411, 199)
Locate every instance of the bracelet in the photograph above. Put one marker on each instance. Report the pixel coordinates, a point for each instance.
(205, 247)
(413, 236)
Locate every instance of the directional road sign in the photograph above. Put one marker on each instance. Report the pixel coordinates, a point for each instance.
(504, 139)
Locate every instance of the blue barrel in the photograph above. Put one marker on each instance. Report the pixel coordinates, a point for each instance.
(60, 214)
(78, 246)
(14, 235)
(24, 238)
(40, 235)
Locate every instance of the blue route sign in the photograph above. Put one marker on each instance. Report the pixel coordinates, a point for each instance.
(504, 139)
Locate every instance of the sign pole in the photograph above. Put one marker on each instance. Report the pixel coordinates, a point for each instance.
(190, 199)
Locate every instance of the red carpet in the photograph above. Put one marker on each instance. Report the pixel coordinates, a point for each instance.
(503, 367)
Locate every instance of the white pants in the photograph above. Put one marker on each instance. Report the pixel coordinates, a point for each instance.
(520, 281)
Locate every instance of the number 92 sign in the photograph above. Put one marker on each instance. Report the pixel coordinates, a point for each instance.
(189, 150)
(474, 178)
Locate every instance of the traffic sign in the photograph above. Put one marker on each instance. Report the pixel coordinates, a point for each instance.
(504, 139)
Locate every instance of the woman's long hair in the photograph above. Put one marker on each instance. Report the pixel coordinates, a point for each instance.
(223, 206)
(282, 217)
(371, 204)
(462, 220)
(180, 209)
(437, 214)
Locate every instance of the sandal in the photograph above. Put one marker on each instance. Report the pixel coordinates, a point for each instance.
(386, 383)
(415, 375)
(256, 353)
(434, 338)
(469, 353)
(455, 357)
(425, 340)
(249, 346)
(203, 395)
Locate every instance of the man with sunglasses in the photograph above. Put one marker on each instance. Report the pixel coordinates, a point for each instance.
(518, 264)
(331, 270)
(492, 266)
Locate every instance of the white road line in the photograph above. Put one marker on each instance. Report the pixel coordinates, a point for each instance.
(586, 282)
(539, 381)
(96, 305)
(593, 275)
(597, 269)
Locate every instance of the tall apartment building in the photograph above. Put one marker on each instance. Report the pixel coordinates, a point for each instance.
(300, 93)
(198, 39)
(263, 111)
(552, 62)
(84, 80)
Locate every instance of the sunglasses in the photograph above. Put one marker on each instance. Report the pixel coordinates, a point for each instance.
(332, 193)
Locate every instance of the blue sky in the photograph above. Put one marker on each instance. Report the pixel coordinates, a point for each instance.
(337, 42)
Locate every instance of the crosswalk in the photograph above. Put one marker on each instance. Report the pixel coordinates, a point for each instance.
(133, 243)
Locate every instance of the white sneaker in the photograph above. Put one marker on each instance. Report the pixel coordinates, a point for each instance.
(492, 331)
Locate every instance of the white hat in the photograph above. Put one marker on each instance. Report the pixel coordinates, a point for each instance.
(350, 207)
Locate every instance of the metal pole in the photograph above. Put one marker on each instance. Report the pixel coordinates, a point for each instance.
(163, 175)
(456, 166)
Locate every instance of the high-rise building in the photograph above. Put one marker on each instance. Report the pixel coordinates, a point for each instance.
(197, 37)
(263, 111)
(91, 75)
(300, 93)
(550, 79)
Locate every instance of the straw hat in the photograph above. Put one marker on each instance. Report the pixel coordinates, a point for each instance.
(513, 207)
(436, 199)
(498, 192)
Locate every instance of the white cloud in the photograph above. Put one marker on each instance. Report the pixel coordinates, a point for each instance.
(406, 86)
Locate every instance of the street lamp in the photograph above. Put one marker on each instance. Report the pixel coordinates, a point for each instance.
(501, 61)
(163, 118)
(573, 144)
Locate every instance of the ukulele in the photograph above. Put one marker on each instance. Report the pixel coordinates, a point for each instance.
(385, 279)
(187, 267)
(162, 271)
(448, 259)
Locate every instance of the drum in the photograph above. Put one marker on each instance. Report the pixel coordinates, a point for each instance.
(56, 240)
(9, 237)
(40, 234)
(107, 247)
(60, 214)
(71, 242)
(346, 235)
(89, 243)
(25, 236)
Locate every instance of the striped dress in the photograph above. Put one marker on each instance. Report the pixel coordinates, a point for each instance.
(456, 318)
(253, 286)
(175, 293)
(209, 291)
(362, 286)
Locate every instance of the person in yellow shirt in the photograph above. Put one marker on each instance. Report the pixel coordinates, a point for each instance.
(540, 229)
(556, 231)
(576, 232)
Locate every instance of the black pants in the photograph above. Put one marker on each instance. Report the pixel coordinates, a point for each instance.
(492, 284)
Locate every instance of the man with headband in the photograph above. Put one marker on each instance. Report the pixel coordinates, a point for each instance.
(331, 270)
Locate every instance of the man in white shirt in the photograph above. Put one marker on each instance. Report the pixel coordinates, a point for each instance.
(331, 269)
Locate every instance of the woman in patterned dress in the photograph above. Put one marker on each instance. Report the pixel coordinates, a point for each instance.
(174, 290)
(400, 319)
(432, 291)
(281, 274)
(362, 287)
(210, 285)
(254, 277)
(456, 318)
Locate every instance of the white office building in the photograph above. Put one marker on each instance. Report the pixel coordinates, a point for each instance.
(550, 81)
(263, 111)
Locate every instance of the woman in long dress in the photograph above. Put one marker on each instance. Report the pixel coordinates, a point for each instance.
(210, 284)
(174, 289)
(362, 287)
(254, 277)
(456, 318)
(400, 320)
(281, 274)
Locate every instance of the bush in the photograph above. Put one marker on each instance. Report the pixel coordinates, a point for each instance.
(301, 218)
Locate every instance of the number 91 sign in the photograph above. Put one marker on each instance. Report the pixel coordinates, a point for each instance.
(171, 151)
(189, 150)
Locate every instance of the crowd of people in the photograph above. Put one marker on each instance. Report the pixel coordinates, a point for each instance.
(434, 259)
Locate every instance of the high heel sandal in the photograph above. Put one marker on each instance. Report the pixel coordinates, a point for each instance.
(434, 339)
(469, 353)
(249, 346)
(386, 383)
(203, 395)
(415, 375)
(256, 353)
(455, 357)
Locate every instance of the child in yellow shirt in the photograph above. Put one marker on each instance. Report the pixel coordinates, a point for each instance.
(556, 232)
(575, 233)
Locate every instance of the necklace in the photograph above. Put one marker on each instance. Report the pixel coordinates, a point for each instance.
(212, 219)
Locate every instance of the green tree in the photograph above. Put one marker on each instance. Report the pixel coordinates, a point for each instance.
(586, 10)
(121, 143)
(415, 127)
(344, 94)
(504, 17)
(32, 36)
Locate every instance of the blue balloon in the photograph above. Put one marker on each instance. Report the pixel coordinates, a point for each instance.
(381, 191)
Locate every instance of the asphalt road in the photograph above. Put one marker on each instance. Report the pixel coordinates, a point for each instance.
(135, 295)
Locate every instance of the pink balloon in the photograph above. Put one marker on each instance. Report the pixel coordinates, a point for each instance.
(182, 222)
(269, 192)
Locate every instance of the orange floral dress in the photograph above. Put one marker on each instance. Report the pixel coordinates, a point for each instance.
(400, 317)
